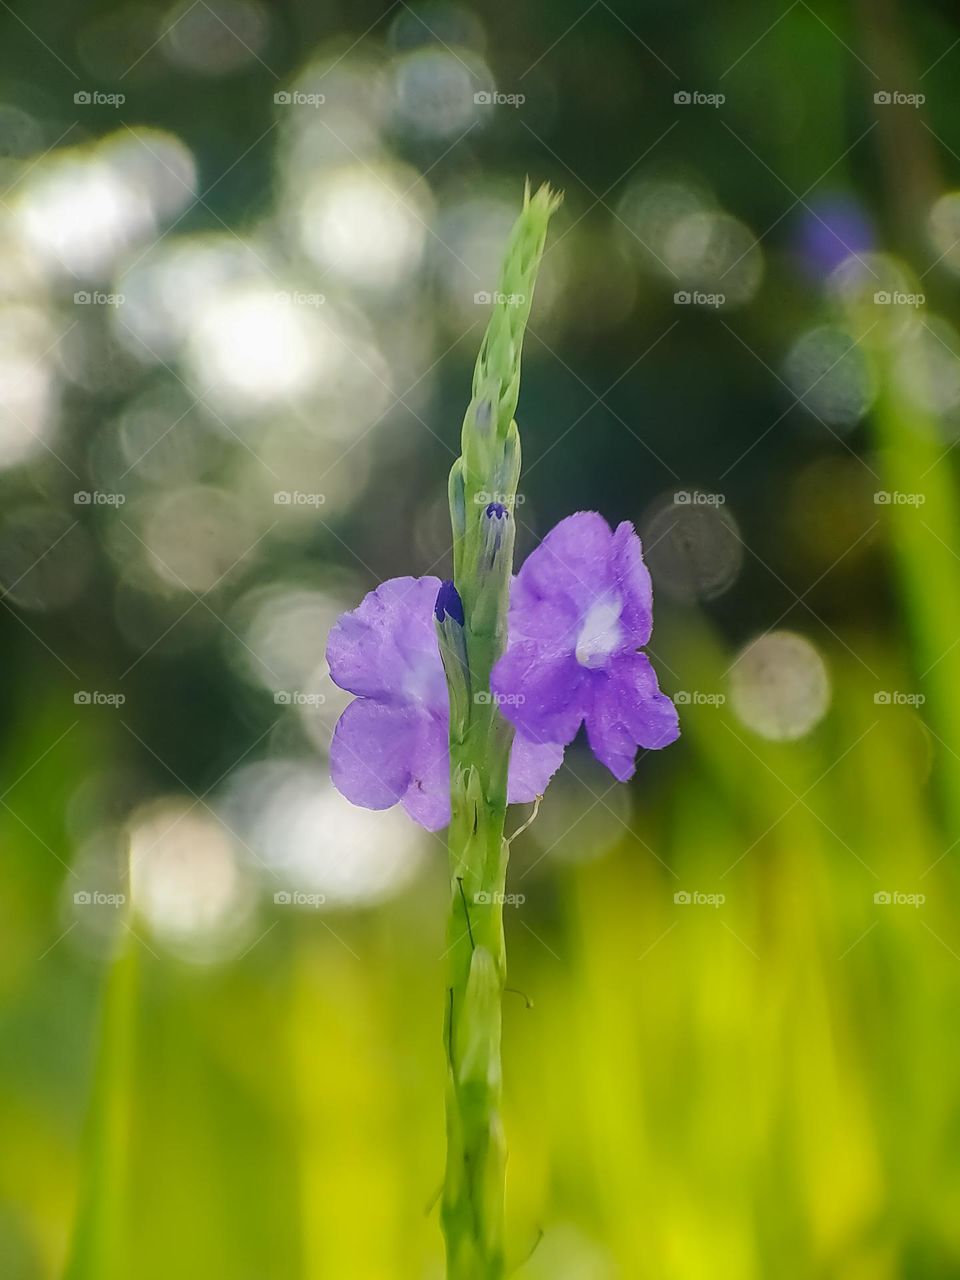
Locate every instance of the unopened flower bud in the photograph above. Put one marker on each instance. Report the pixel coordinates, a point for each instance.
(453, 650)
(495, 520)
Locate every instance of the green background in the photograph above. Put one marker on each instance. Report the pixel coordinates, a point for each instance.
(205, 1082)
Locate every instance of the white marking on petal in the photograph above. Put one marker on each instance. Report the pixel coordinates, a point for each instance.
(600, 631)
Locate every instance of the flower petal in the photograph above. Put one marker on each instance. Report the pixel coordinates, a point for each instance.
(543, 695)
(628, 711)
(573, 561)
(427, 797)
(371, 752)
(634, 586)
(532, 765)
(387, 647)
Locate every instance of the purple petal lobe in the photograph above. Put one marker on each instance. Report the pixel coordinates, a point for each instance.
(573, 561)
(545, 695)
(496, 511)
(371, 751)
(427, 797)
(387, 647)
(629, 711)
(532, 765)
(634, 586)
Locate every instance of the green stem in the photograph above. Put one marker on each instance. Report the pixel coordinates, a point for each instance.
(473, 1197)
(472, 1209)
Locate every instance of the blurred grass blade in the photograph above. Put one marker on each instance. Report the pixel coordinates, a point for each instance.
(98, 1250)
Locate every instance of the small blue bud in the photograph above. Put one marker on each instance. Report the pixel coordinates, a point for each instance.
(496, 523)
(452, 640)
(449, 604)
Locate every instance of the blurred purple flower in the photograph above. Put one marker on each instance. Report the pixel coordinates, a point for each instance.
(392, 743)
(580, 607)
(831, 230)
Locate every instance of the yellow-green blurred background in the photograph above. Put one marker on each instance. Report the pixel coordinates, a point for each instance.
(246, 252)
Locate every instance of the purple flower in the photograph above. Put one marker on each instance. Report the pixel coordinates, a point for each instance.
(391, 744)
(580, 607)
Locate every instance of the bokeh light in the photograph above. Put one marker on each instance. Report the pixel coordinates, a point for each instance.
(779, 686)
(315, 842)
(831, 376)
(217, 37)
(692, 545)
(188, 882)
(365, 225)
